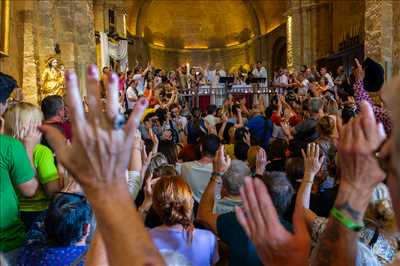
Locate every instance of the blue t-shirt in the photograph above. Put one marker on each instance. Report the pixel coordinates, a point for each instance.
(201, 251)
(33, 255)
(261, 128)
(38, 252)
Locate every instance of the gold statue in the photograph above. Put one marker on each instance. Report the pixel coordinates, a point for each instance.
(52, 80)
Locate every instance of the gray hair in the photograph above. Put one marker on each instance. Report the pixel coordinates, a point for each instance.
(233, 178)
(157, 160)
(280, 189)
(315, 104)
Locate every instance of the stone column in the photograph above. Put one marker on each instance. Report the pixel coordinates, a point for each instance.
(43, 12)
(293, 31)
(306, 33)
(307, 26)
(30, 68)
(84, 39)
(379, 32)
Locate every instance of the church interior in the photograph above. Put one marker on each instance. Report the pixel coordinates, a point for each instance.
(285, 33)
(199, 132)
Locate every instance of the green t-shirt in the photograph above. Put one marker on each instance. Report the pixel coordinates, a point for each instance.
(15, 169)
(46, 172)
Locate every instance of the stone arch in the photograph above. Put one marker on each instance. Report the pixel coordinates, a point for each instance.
(279, 53)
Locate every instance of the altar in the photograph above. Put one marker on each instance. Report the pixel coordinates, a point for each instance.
(206, 95)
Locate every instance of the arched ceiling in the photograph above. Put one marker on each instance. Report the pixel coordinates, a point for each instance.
(202, 23)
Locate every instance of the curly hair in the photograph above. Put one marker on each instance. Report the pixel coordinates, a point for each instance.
(173, 203)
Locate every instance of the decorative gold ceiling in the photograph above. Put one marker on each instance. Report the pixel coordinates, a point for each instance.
(202, 24)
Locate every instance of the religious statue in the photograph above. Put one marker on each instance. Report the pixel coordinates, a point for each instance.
(52, 80)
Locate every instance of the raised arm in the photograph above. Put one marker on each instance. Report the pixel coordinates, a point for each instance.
(205, 213)
(134, 179)
(223, 126)
(382, 115)
(312, 164)
(97, 159)
(360, 173)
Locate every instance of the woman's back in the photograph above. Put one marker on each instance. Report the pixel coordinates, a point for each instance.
(201, 251)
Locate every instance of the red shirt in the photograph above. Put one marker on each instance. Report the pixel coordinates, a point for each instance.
(275, 118)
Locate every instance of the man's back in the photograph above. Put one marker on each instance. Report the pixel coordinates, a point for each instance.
(197, 175)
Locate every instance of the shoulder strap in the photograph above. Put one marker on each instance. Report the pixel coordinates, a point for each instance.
(374, 237)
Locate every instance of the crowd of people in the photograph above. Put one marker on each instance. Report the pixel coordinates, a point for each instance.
(135, 174)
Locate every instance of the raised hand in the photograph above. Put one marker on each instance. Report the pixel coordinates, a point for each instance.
(98, 159)
(358, 71)
(261, 161)
(148, 192)
(221, 161)
(358, 143)
(30, 136)
(260, 221)
(100, 150)
(312, 161)
(154, 139)
(246, 138)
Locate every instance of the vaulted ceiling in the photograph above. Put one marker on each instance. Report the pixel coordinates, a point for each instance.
(203, 23)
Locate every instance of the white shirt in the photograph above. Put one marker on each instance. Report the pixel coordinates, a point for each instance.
(212, 120)
(304, 88)
(330, 81)
(282, 79)
(262, 73)
(197, 175)
(140, 86)
(213, 77)
(130, 93)
(182, 120)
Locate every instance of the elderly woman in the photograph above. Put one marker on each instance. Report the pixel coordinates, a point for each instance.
(173, 202)
(21, 121)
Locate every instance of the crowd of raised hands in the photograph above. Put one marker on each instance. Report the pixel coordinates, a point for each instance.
(105, 152)
(99, 154)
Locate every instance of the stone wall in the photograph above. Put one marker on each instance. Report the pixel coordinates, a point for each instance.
(309, 30)
(229, 57)
(12, 64)
(37, 26)
(379, 32)
(347, 20)
(261, 48)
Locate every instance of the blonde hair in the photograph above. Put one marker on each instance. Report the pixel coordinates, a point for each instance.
(326, 125)
(19, 116)
(173, 202)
